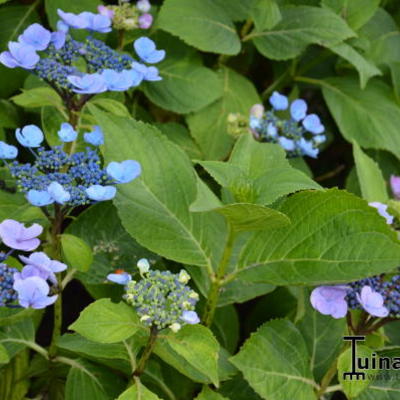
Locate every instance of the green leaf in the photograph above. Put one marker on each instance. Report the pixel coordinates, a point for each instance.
(209, 125)
(300, 26)
(226, 327)
(77, 253)
(100, 227)
(372, 183)
(106, 322)
(154, 208)
(38, 97)
(138, 392)
(355, 12)
(112, 106)
(353, 388)
(208, 394)
(193, 351)
(201, 24)
(180, 135)
(323, 337)
(238, 10)
(265, 14)
(9, 117)
(276, 357)
(334, 237)
(371, 117)
(187, 85)
(4, 357)
(366, 69)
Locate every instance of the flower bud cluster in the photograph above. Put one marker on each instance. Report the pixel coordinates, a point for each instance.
(7, 293)
(56, 176)
(300, 135)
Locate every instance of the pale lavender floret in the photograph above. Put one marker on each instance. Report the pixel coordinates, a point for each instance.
(124, 171)
(330, 300)
(121, 279)
(33, 292)
(118, 81)
(39, 264)
(382, 210)
(36, 36)
(287, 144)
(39, 198)
(190, 317)
(58, 39)
(394, 185)
(62, 26)
(19, 55)
(73, 20)
(298, 109)
(95, 137)
(145, 21)
(372, 302)
(88, 83)
(101, 193)
(107, 12)
(96, 22)
(7, 151)
(307, 148)
(152, 74)
(67, 133)
(255, 123)
(318, 139)
(146, 50)
(312, 123)
(29, 136)
(278, 101)
(58, 193)
(272, 130)
(257, 111)
(16, 236)
(143, 6)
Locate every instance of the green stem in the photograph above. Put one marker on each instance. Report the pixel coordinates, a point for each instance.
(246, 27)
(121, 40)
(147, 352)
(218, 281)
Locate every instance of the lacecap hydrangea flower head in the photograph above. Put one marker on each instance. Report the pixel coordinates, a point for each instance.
(161, 299)
(32, 286)
(300, 135)
(56, 176)
(55, 56)
(128, 16)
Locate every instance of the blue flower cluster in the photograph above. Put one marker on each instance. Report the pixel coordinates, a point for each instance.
(299, 136)
(62, 178)
(161, 299)
(106, 69)
(387, 287)
(7, 293)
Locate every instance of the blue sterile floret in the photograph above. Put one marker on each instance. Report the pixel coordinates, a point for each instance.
(301, 135)
(75, 179)
(7, 293)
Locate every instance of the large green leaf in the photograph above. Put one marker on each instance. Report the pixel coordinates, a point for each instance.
(371, 116)
(193, 351)
(76, 252)
(366, 69)
(372, 183)
(300, 26)
(323, 337)
(355, 12)
(200, 23)
(333, 237)
(154, 208)
(275, 362)
(107, 322)
(209, 125)
(138, 392)
(265, 13)
(187, 85)
(208, 394)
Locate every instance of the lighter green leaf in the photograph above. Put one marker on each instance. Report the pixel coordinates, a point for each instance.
(138, 392)
(77, 253)
(371, 117)
(372, 183)
(193, 351)
(38, 97)
(200, 23)
(208, 394)
(4, 357)
(107, 322)
(112, 106)
(300, 26)
(265, 13)
(9, 117)
(366, 69)
(333, 237)
(209, 125)
(355, 12)
(154, 208)
(274, 362)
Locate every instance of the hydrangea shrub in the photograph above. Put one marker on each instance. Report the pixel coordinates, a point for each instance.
(198, 199)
